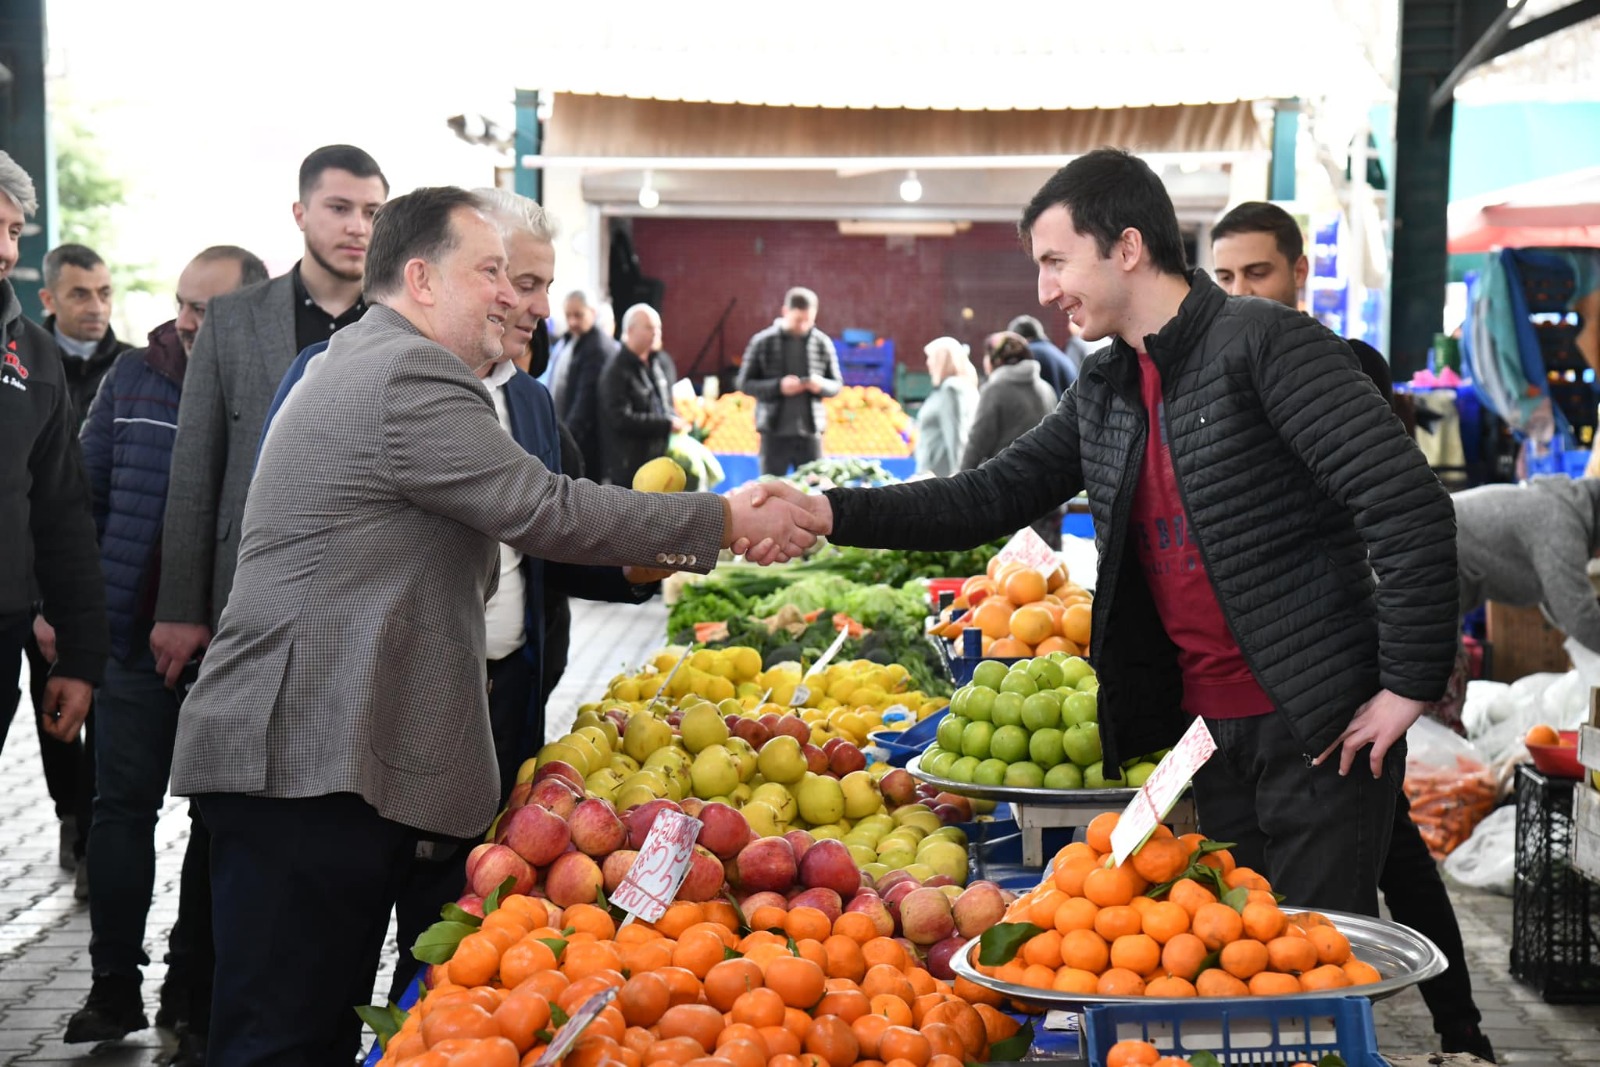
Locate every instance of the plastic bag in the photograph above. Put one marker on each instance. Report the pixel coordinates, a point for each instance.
(1488, 859)
(1449, 786)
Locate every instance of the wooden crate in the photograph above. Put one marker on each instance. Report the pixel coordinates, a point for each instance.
(1523, 642)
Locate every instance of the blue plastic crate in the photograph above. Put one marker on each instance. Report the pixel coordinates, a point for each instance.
(1570, 462)
(961, 667)
(869, 364)
(1260, 1030)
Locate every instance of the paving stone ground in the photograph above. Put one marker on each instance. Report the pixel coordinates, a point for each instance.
(44, 933)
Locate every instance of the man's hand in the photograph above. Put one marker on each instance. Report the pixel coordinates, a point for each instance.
(771, 532)
(680, 424)
(66, 705)
(815, 503)
(174, 644)
(790, 385)
(45, 635)
(1380, 722)
(813, 385)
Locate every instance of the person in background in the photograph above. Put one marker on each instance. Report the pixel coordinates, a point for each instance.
(1013, 400)
(45, 519)
(636, 398)
(576, 376)
(789, 367)
(127, 451)
(1059, 369)
(1258, 250)
(946, 415)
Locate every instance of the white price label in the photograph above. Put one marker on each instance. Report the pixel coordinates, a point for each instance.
(1028, 548)
(833, 650)
(574, 1027)
(660, 867)
(1162, 790)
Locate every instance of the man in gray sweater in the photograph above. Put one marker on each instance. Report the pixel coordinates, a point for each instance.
(1531, 544)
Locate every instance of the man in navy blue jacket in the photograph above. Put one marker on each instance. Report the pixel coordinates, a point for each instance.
(127, 454)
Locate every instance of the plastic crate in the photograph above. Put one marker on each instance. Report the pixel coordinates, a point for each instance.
(1570, 462)
(868, 365)
(962, 666)
(1554, 946)
(1261, 1030)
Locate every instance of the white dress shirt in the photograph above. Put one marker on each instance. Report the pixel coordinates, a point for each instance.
(506, 611)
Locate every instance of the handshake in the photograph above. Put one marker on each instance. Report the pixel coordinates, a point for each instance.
(773, 522)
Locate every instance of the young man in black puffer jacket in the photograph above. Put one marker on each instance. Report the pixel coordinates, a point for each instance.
(1274, 553)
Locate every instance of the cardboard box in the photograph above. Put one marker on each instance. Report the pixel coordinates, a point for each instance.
(1523, 642)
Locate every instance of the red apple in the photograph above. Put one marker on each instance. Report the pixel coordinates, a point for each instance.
(979, 907)
(925, 916)
(828, 865)
(596, 828)
(555, 795)
(765, 864)
(616, 867)
(794, 726)
(898, 787)
(724, 830)
(832, 743)
(558, 769)
(476, 855)
(498, 864)
(824, 900)
(640, 819)
(573, 878)
(846, 759)
(705, 877)
(940, 954)
(692, 806)
(816, 759)
(960, 803)
(889, 880)
(898, 892)
(471, 903)
(519, 795)
(801, 842)
(751, 901)
(873, 908)
(534, 833)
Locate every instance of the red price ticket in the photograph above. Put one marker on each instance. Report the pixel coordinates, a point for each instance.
(1162, 790)
(660, 867)
(1028, 548)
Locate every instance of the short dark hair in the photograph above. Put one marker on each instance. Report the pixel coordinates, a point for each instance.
(1106, 192)
(1258, 216)
(1026, 327)
(81, 256)
(251, 269)
(1006, 348)
(345, 157)
(415, 225)
(800, 298)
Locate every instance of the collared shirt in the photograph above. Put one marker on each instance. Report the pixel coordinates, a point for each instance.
(311, 322)
(71, 346)
(504, 615)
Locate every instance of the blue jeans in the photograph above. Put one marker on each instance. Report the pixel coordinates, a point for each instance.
(136, 722)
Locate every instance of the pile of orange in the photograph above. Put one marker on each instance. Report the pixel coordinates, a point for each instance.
(1021, 612)
(691, 992)
(1144, 1054)
(862, 421)
(1101, 933)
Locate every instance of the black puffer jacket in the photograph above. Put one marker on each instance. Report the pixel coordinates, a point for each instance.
(1329, 542)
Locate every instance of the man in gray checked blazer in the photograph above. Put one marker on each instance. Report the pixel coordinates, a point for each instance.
(340, 712)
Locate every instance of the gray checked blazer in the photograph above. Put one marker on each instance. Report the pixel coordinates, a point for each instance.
(350, 658)
(243, 350)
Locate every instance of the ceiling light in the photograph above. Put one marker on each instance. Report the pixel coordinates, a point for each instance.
(911, 189)
(648, 197)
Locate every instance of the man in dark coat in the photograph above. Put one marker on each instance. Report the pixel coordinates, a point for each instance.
(581, 360)
(636, 397)
(789, 367)
(1258, 569)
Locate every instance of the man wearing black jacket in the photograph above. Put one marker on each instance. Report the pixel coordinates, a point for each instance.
(45, 520)
(636, 397)
(1275, 556)
(576, 389)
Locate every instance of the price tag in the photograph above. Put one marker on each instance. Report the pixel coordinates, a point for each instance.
(1028, 548)
(802, 694)
(833, 650)
(662, 692)
(574, 1027)
(660, 867)
(1162, 790)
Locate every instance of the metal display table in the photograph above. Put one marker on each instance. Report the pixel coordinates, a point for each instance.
(1037, 810)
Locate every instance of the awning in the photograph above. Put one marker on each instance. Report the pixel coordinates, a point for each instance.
(1561, 211)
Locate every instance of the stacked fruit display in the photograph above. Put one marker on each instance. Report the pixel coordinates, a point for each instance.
(862, 421)
(1178, 919)
(1032, 724)
(803, 989)
(1019, 612)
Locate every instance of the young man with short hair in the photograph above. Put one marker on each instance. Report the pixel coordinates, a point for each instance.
(789, 368)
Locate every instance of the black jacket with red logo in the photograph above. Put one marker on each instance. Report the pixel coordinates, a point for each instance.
(47, 541)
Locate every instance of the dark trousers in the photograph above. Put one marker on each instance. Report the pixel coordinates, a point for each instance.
(309, 879)
(779, 454)
(136, 721)
(191, 956)
(1415, 893)
(1319, 838)
(439, 873)
(68, 765)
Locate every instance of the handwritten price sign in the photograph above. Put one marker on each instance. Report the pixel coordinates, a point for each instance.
(1029, 549)
(660, 867)
(1162, 789)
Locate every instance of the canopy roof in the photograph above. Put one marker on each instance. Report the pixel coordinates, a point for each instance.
(1551, 212)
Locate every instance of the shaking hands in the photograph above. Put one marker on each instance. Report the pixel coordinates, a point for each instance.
(774, 522)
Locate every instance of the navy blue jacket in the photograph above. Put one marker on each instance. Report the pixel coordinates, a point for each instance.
(534, 427)
(1055, 366)
(127, 454)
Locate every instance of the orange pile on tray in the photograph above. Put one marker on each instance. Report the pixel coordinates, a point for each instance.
(1021, 612)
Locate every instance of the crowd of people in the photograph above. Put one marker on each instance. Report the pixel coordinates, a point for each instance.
(307, 552)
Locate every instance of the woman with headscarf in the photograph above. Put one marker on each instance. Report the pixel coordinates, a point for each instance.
(947, 413)
(1012, 401)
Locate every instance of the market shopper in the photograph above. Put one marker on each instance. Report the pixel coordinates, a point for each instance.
(1013, 400)
(127, 450)
(945, 418)
(789, 367)
(1058, 368)
(1275, 554)
(587, 351)
(636, 406)
(340, 714)
(1258, 250)
(44, 507)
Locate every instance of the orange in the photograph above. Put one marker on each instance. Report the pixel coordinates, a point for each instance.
(1542, 735)
(1216, 925)
(643, 999)
(831, 1038)
(1273, 984)
(973, 993)
(1068, 877)
(722, 913)
(1056, 644)
(456, 1021)
(1222, 860)
(520, 1016)
(676, 1050)
(944, 1040)
(584, 958)
(476, 959)
(729, 980)
(1075, 980)
(768, 917)
(1332, 946)
(993, 617)
(1164, 920)
(1075, 624)
(1244, 958)
(966, 1022)
(1077, 913)
(1025, 586)
(1169, 986)
(1263, 922)
(856, 926)
(884, 979)
(1116, 921)
(1361, 973)
(1120, 982)
(697, 951)
(743, 1053)
(1009, 648)
(760, 1007)
(1138, 953)
(813, 951)
(573, 997)
(534, 910)
(802, 923)
(885, 950)
(997, 1024)
(1044, 949)
(847, 1004)
(522, 960)
(1038, 976)
(649, 955)
(1216, 982)
(798, 981)
(1098, 833)
(1328, 976)
(1132, 1054)
(588, 919)
(548, 984)
(892, 1008)
(780, 1041)
(1108, 886)
(679, 916)
(1085, 950)
(1160, 860)
(845, 958)
(1182, 956)
(700, 1022)
(1291, 955)
(1189, 894)
(684, 985)
(904, 1043)
(1247, 878)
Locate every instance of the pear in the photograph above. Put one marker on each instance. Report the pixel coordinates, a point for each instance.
(702, 727)
(645, 734)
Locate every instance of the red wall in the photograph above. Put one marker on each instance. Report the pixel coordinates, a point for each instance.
(908, 289)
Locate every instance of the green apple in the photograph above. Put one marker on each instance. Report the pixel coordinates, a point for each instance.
(961, 770)
(820, 798)
(1024, 775)
(948, 733)
(1008, 709)
(946, 858)
(990, 772)
(861, 796)
(938, 763)
(702, 727)
(623, 764)
(1074, 669)
(1064, 776)
(1018, 682)
(715, 772)
(1045, 747)
(1082, 744)
(958, 701)
(1079, 708)
(1091, 684)
(980, 703)
(631, 796)
(743, 755)
(1041, 711)
(763, 818)
(1094, 777)
(832, 832)
(1139, 773)
(1044, 672)
(1009, 744)
(989, 673)
(604, 783)
(644, 735)
(975, 739)
(780, 760)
